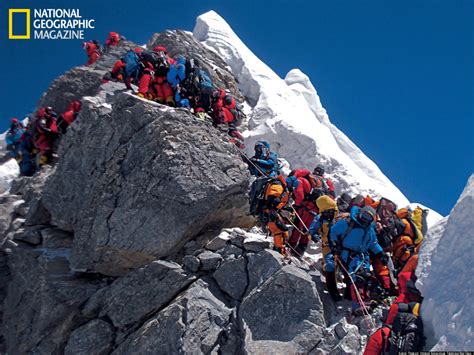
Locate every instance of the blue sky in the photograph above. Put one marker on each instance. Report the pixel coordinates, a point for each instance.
(396, 76)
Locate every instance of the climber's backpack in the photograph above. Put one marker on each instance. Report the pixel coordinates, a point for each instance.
(257, 194)
(132, 64)
(159, 60)
(391, 223)
(238, 114)
(198, 80)
(406, 333)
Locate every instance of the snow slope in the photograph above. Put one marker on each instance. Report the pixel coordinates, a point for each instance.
(9, 170)
(288, 113)
(445, 278)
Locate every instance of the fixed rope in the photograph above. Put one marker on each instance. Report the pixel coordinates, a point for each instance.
(370, 325)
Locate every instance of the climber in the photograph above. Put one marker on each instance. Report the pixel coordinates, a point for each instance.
(27, 152)
(326, 183)
(226, 110)
(153, 83)
(198, 87)
(113, 40)
(366, 292)
(410, 294)
(163, 93)
(264, 162)
(402, 334)
(13, 139)
(65, 119)
(176, 76)
(276, 196)
(351, 240)
(45, 134)
(378, 342)
(222, 106)
(319, 230)
(409, 242)
(128, 68)
(305, 210)
(93, 51)
(388, 227)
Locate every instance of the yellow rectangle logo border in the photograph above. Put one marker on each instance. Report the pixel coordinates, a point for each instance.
(10, 23)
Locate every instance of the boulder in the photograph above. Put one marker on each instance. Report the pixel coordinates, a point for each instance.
(262, 266)
(209, 260)
(191, 263)
(232, 277)
(139, 294)
(286, 308)
(218, 242)
(194, 323)
(30, 235)
(156, 178)
(93, 338)
(256, 244)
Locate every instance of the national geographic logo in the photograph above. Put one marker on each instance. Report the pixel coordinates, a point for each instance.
(18, 14)
(47, 24)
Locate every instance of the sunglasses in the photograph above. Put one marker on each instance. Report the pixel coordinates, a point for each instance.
(328, 213)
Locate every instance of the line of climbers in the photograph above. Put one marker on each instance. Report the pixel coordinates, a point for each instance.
(180, 82)
(33, 145)
(94, 50)
(369, 245)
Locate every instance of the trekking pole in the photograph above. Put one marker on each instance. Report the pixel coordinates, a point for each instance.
(251, 162)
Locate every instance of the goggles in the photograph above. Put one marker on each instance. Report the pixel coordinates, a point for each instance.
(365, 217)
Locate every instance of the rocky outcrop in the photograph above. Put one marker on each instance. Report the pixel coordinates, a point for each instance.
(155, 178)
(82, 81)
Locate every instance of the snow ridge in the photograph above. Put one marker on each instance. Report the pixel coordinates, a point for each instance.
(288, 113)
(445, 279)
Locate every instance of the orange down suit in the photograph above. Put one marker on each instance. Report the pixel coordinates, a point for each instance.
(409, 242)
(276, 197)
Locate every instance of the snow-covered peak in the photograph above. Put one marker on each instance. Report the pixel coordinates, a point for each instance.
(288, 114)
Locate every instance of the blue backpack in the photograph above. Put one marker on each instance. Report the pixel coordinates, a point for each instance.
(204, 80)
(132, 64)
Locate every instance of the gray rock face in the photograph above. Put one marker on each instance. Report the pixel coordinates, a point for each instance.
(285, 308)
(139, 294)
(232, 277)
(155, 178)
(7, 206)
(30, 235)
(81, 81)
(43, 301)
(93, 338)
(262, 266)
(194, 323)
